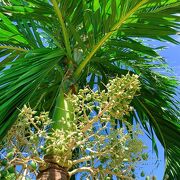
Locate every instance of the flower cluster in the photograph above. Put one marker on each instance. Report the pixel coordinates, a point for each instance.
(23, 145)
(107, 144)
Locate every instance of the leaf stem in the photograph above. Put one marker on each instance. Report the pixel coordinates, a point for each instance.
(105, 38)
(157, 126)
(96, 118)
(94, 171)
(154, 121)
(13, 48)
(64, 30)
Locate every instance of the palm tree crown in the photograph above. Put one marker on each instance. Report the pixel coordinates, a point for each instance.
(44, 43)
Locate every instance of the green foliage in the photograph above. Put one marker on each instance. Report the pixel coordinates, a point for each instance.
(31, 72)
(43, 44)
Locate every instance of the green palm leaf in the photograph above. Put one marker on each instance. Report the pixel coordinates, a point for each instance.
(19, 87)
(41, 41)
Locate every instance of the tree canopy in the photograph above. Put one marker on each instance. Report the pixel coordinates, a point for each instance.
(44, 43)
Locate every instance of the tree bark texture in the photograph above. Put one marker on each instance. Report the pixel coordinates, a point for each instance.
(53, 171)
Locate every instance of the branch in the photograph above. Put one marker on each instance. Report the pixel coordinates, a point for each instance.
(106, 37)
(64, 30)
(32, 122)
(92, 135)
(104, 151)
(82, 169)
(107, 171)
(97, 170)
(13, 48)
(25, 173)
(87, 158)
(95, 119)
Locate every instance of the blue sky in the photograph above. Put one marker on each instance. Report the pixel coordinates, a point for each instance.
(172, 55)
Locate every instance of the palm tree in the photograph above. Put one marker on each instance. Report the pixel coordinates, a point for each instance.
(47, 46)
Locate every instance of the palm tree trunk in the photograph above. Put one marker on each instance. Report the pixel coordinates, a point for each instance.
(53, 171)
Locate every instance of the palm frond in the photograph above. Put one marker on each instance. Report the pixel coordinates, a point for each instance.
(18, 88)
(131, 22)
(105, 40)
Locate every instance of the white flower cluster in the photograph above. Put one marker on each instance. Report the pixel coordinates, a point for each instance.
(104, 147)
(23, 145)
